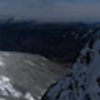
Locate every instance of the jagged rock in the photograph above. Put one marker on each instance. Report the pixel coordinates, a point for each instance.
(83, 81)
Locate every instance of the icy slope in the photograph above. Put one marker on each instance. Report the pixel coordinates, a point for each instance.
(26, 76)
(83, 81)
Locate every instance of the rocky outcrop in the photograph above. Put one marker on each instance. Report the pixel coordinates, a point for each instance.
(83, 81)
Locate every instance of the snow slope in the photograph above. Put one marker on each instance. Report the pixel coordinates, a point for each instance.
(83, 81)
(26, 76)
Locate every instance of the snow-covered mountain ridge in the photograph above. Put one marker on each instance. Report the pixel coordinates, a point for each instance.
(83, 81)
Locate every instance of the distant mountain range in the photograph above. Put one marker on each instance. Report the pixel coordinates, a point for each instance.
(57, 41)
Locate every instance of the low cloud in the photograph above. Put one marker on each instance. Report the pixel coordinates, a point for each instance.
(51, 11)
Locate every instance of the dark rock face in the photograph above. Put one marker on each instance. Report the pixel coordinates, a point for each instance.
(83, 81)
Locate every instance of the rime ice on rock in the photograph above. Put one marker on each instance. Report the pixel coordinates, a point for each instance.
(83, 82)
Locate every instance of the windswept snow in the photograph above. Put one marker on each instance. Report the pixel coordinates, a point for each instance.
(83, 81)
(26, 76)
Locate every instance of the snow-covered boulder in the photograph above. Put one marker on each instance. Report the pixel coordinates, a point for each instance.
(83, 81)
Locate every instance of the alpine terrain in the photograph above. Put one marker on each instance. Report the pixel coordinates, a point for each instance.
(26, 76)
(83, 81)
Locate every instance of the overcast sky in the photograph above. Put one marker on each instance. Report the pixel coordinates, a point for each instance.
(52, 10)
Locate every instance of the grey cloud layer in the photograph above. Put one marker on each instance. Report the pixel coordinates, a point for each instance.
(49, 11)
